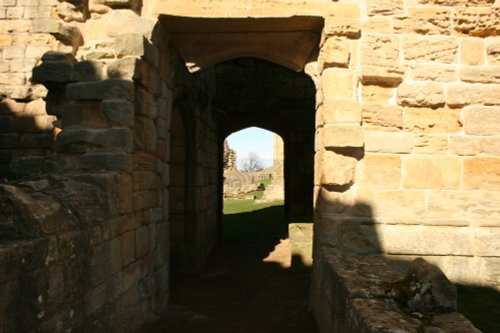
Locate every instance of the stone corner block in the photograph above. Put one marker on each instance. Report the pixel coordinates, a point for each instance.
(335, 53)
(88, 70)
(79, 139)
(120, 112)
(107, 89)
(350, 28)
(129, 45)
(124, 68)
(341, 111)
(340, 136)
(53, 72)
(65, 33)
(338, 170)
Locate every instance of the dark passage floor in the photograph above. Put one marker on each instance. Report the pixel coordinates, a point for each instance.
(245, 287)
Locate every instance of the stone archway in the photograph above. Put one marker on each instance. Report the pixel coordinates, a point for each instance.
(286, 45)
(253, 92)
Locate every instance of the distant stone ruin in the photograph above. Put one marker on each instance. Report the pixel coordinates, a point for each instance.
(229, 158)
(237, 183)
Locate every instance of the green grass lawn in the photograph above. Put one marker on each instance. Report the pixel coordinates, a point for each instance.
(266, 181)
(248, 220)
(259, 194)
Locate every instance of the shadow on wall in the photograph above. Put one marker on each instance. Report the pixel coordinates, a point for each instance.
(26, 136)
(28, 129)
(346, 239)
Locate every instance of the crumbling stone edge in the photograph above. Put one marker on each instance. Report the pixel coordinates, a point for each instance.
(361, 293)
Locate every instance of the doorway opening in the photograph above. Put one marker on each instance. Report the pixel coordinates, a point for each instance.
(253, 186)
(254, 92)
(242, 284)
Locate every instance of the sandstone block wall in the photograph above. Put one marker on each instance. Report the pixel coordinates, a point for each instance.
(408, 134)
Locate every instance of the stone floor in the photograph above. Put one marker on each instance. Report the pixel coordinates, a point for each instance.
(245, 287)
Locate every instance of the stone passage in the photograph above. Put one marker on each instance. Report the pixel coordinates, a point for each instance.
(245, 287)
(112, 121)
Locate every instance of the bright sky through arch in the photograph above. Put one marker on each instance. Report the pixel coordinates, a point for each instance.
(253, 139)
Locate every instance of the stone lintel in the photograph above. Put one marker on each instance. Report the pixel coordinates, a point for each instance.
(203, 25)
(244, 9)
(202, 42)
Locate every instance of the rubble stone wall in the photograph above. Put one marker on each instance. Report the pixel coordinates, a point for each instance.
(106, 103)
(75, 256)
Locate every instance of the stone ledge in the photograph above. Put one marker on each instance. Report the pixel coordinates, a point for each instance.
(354, 293)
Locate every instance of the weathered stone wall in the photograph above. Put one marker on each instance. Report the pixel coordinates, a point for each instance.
(359, 293)
(238, 183)
(113, 98)
(25, 127)
(201, 171)
(407, 123)
(73, 257)
(406, 157)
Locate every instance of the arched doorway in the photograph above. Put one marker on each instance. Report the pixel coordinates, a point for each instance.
(253, 92)
(254, 72)
(253, 192)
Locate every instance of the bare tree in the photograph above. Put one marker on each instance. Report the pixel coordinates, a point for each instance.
(252, 162)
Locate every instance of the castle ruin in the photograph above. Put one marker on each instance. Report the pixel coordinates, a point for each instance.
(113, 115)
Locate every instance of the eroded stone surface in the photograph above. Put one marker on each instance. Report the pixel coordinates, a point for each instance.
(370, 285)
(426, 289)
